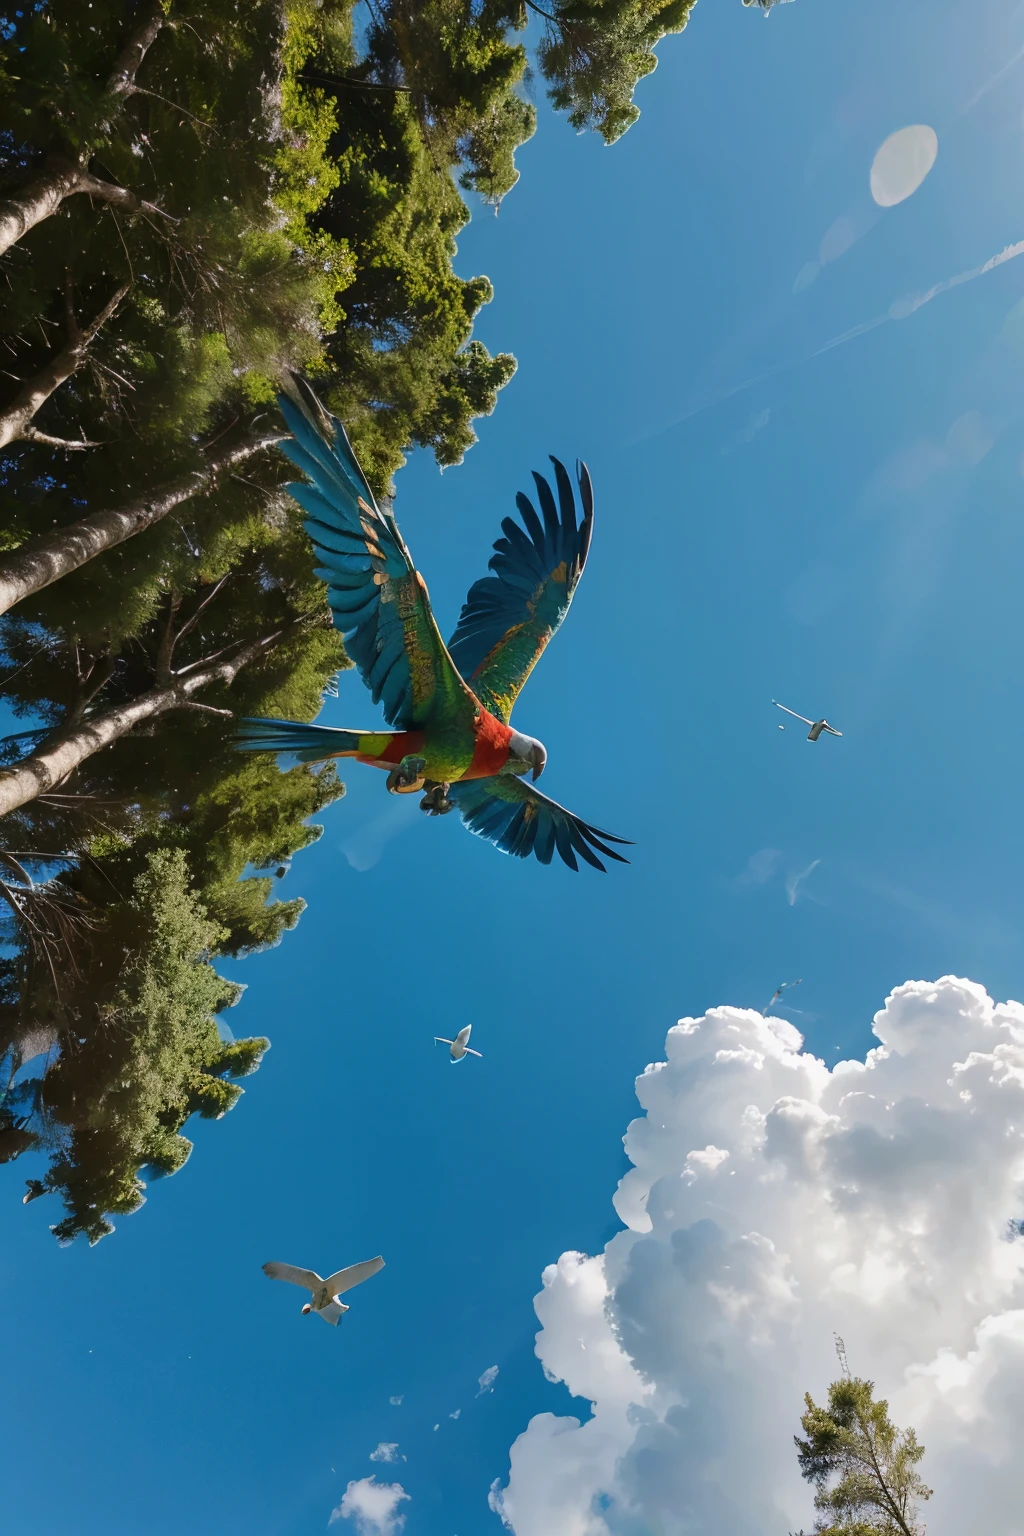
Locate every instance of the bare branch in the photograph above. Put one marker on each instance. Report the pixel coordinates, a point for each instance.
(177, 107)
(546, 14)
(70, 445)
(19, 869)
(191, 623)
(119, 197)
(361, 85)
(165, 648)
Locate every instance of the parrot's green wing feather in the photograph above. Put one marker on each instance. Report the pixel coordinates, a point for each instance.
(508, 618)
(519, 820)
(377, 597)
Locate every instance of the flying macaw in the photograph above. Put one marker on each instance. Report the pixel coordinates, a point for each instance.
(449, 704)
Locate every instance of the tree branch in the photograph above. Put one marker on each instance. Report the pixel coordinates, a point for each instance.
(23, 210)
(546, 14)
(165, 648)
(30, 570)
(61, 177)
(191, 623)
(14, 421)
(361, 85)
(300, 622)
(210, 709)
(128, 62)
(69, 444)
(119, 197)
(56, 758)
(19, 869)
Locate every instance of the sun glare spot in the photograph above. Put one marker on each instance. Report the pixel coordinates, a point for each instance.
(902, 163)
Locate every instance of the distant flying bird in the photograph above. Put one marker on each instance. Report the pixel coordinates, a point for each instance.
(816, 726)
(450, 704)
(325, 1293)
(459, 1048)
(783, 987)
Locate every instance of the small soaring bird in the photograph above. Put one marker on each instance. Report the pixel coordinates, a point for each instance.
(450, 705)
(325, 1293)
(460, 1047)
(816, 726)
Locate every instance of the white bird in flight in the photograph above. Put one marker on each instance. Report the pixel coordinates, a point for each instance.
(816, 726)
(459, 1046)
(325, 1293)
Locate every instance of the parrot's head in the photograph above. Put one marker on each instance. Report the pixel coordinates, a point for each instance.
(528, 751)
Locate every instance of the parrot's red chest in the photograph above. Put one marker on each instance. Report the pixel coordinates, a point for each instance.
(490, 751)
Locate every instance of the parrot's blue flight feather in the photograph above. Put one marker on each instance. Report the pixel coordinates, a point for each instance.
(519, 820)
(509, 617)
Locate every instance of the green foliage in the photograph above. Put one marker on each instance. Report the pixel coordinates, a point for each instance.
(596, 53)
(138, 1047)
(178, 783)
(226, 284)
(864, 1469)
(434, 92)
(295, 205)
(159, 834)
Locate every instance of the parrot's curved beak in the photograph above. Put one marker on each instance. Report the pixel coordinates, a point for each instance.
(538, 757)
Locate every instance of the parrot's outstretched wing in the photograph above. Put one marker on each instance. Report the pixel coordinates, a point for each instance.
(378, 599)
(519, 820)
(508, 618)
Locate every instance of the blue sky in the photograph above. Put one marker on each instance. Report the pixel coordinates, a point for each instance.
(846, 535)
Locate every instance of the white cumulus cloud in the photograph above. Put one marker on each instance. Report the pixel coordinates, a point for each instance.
(487, 1380)
(373, 1506)
(772, 1202)
(387, 1450)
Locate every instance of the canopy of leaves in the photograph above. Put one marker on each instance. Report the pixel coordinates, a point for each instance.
(173, 797)
(864, 1469)
(226, 282)
(133, 1025)
(596, 53)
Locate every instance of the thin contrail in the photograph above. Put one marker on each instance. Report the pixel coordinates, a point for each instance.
(899, 310)
(995, 79)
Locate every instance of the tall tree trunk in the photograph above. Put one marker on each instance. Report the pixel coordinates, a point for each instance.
(62, 176)
(29, 570)
(15, 420)
(65, 750)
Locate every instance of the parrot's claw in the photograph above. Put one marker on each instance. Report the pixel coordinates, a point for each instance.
(407, 776)
(435, 802)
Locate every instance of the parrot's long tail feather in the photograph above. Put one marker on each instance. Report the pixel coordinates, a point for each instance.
(307, 743)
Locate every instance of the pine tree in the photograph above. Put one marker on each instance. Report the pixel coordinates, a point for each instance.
(133, 1023)
(596, 53)
(863, 1468)
(80, 861)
